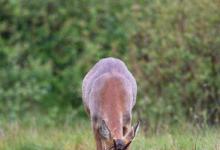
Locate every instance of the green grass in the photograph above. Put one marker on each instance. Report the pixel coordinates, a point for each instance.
(79, 137)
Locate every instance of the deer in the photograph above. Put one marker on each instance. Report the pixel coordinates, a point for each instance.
(109, 94)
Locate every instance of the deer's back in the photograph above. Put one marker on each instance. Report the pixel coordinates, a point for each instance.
(109, 75)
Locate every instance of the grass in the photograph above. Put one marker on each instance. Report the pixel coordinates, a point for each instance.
(79, 137)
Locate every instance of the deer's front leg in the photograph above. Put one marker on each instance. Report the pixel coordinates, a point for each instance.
(97, 139)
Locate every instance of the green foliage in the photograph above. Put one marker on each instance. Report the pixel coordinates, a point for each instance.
(171, 47)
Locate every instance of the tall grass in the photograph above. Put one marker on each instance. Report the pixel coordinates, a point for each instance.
(80, 137)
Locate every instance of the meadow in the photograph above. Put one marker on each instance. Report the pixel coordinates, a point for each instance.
(172, 47)
(79, 137)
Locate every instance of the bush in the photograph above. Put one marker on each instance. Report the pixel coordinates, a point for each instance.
(171, 47)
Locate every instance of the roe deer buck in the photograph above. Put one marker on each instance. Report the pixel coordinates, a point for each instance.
(109, 94)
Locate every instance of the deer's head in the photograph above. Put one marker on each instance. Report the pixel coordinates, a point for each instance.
(111, 143)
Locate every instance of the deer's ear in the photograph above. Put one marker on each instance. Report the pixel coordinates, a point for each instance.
(133, 132)
(136, 128)
(104, 131)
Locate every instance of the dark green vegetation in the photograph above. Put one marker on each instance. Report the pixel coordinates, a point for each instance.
(171, 47)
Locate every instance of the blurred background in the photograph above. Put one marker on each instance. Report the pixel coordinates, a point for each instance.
(171, 47)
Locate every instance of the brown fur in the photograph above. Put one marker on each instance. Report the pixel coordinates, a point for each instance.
(113, 99)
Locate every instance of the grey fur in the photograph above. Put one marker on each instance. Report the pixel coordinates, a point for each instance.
(100, 70)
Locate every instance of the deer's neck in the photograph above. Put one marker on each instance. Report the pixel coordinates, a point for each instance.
(113, 102)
